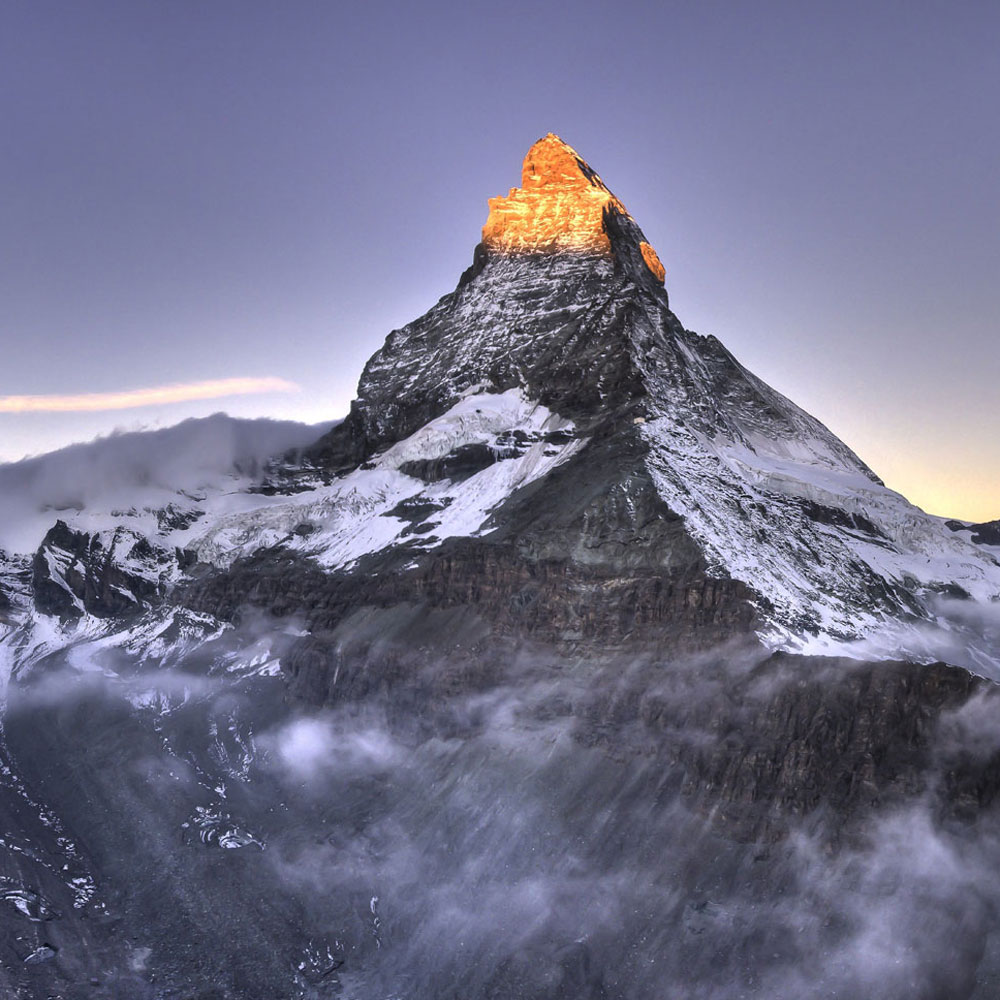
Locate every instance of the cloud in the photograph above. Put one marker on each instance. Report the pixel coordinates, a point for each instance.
(310, 747)
(533, 839)
(180, 392)
(138, 469)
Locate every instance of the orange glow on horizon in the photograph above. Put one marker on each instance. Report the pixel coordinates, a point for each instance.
(961, 501)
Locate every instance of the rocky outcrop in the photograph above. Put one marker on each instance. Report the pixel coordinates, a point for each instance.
(561, 268)
(986, 533)
(829, 743)
(562, 207)
(15, 588)
(106, 574)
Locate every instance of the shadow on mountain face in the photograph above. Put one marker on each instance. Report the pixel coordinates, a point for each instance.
(724, 826)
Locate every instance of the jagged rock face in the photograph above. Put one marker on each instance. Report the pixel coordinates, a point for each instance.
(842, 740)
(544, 307)
(15, 588)
(561, 207)
(104, 575)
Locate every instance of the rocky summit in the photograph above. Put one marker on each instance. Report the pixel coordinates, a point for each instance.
(575, 662)
(561, 207)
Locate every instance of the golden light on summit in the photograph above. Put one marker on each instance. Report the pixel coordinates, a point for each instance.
(649, 255)
(559, 208)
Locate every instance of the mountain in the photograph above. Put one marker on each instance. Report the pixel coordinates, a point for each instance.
(131, 473)
(562, 327)
(574, 662)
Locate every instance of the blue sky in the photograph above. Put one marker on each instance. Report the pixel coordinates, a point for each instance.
(195, 192)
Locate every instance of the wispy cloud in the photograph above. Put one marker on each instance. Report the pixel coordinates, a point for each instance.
(181, 392)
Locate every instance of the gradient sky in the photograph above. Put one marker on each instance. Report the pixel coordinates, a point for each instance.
(200, 191)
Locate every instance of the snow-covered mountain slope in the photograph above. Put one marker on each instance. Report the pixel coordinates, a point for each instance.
(441, 482)
(834, 558)
(95, 532)
(778, 502)
(543, 358)
(130, 477)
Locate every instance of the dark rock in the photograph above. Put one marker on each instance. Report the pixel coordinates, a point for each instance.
(415, 509)
(836, 517)
(104, 575)
(172, 517)
(459, 464)
(44, 953)
(987, 533)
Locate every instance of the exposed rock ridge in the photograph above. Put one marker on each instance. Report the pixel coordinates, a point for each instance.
(105, 574)
(561, 305)
(565, 300)
(986, 533)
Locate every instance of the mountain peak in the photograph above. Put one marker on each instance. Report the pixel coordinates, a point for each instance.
(553, 161)
(562, 206)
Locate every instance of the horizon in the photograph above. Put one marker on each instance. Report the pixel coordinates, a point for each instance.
(226, 200)
(321, 426)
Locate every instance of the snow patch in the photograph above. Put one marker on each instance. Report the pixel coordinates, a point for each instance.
(353, 517)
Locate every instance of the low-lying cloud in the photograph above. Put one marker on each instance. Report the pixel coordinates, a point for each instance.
(310, 747)
(536, 839)
(137, 469)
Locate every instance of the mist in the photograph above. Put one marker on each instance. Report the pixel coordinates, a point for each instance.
(553, 833)
(960, 631)
(138, 468)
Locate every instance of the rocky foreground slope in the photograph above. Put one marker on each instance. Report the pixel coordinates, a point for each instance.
(499, 689)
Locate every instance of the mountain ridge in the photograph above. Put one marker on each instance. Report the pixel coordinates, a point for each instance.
(589, 333)
(500, 689)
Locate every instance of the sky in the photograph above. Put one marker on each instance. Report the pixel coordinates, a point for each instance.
(239, 200)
